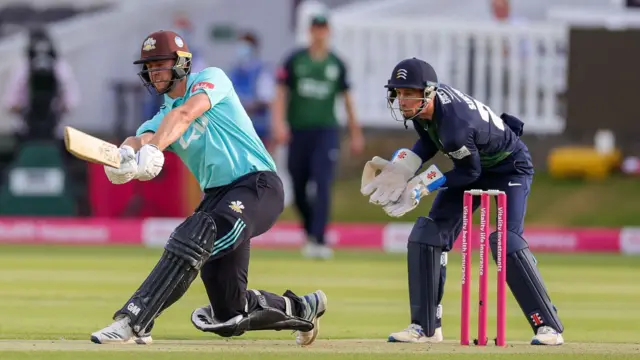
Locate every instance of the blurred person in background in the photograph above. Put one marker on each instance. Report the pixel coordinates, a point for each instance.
(255, 84)
(309, 81)
(501, 10)
(42, 89)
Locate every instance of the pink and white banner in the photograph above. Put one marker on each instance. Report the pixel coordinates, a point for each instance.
(392, 237)
(69, 230)
(539, 239)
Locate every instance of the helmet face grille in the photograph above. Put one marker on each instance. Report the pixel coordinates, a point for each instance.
(179, 71)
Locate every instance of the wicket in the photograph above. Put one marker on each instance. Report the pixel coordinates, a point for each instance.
(501, 257)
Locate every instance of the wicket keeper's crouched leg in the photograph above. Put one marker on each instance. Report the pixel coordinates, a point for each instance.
(430, 240)
(433, 236)
(216, 242)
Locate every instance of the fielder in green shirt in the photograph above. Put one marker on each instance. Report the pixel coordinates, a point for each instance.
(303, 117)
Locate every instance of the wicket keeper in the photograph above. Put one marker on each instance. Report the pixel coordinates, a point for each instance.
(204, 123)
(487, 153)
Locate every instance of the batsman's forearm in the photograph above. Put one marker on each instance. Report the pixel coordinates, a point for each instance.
(174, 124)
(136, 142)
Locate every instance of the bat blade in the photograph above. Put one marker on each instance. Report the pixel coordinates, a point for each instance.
(90, 148)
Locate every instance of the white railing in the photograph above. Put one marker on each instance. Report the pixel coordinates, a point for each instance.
(516, 69)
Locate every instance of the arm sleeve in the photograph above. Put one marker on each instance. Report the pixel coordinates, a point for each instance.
(343, 79)
(284, 75)
(425, 149)
(466, 159)
(213, 82)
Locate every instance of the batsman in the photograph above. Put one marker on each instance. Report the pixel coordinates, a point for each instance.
(204, 123)
(487, 153)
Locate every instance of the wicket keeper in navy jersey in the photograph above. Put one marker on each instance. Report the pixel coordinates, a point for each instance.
(487, 153)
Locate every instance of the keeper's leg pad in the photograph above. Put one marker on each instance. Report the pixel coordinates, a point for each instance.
(424, 259)
(526, 284)
(188, 248)
(264, 318)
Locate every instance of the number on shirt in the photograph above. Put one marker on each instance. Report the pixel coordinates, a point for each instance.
(488, 115)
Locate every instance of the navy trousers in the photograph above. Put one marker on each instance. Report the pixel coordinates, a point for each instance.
(313, 155)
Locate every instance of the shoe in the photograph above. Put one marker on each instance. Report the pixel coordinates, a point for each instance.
(315, 305)
(547, 335)
(119, 333)
(414, 334)
(313, 250)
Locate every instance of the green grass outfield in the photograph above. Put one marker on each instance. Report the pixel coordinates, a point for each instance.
(610, 203)
(53, 297)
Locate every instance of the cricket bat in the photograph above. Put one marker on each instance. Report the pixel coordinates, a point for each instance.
(90, 148)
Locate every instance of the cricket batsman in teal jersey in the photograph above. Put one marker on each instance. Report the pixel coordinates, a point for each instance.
(204, 123)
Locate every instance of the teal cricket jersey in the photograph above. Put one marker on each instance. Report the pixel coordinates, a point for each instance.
(221, 145)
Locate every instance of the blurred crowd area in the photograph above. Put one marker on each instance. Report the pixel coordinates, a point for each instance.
(55, 83)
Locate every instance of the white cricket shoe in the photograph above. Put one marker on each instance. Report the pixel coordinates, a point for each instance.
(414, 334)
(547, 336)
(315, 305)
(119, 333)
(313, 250)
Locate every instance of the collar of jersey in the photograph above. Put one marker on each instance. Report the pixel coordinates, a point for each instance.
(169, 102)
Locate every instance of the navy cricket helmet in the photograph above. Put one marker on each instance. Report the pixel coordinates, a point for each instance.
(411, 74)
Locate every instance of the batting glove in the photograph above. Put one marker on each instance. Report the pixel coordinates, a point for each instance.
(150, 162)
(128, 167)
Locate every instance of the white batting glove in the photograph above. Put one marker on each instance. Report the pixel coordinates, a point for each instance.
(391, 182)
(128, 167)
(420, 186)
(150, 162)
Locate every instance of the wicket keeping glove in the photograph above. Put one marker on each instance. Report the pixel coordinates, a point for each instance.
(387, 187)
(420, 186)
(150, 162)
(128, 167)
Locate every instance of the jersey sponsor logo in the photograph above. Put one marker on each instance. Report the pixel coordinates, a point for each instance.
(460, 153)
(197, 129)
(315, 89)
(202, 85)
